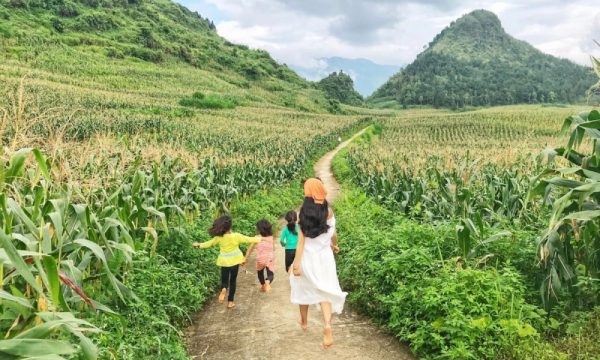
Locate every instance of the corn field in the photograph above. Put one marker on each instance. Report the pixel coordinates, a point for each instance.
(85, 187)
(435, 165)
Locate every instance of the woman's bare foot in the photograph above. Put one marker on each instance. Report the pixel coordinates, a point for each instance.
(302, 324)
(268, 287)
(231, 305)
(327, 337)
(222, 296)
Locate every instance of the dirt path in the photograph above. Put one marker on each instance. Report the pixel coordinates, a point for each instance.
(264, 326)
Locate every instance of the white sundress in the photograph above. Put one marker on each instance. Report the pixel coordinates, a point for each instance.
(319, 281)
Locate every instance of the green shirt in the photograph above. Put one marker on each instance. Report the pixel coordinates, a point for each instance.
(289, 240)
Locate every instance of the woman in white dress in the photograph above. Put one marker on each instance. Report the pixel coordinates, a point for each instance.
(314, 279)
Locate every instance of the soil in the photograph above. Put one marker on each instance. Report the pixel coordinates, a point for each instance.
(265, 325)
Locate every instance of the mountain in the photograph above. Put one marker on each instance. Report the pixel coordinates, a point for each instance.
(367, 75)
(475, 62)
(340, 87)
(93, 40)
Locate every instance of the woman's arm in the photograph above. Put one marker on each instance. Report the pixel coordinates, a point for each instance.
(299, 253)
(334, 243)
(205, 244)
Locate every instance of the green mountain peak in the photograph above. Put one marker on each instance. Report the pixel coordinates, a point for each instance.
(474, 62)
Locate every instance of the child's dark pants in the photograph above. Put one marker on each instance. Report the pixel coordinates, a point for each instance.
(289, 258)
(261, 275)
(229, 279)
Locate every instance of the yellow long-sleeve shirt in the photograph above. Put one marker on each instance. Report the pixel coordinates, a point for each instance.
(229, 244)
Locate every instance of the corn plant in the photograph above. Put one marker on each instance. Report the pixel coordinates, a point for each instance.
(44, 259)
(569, 249)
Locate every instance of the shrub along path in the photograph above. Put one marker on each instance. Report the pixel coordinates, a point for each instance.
(264, 326)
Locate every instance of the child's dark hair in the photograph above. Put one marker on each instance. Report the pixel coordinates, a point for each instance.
(291, 217)
(221, 226)
(264, 228)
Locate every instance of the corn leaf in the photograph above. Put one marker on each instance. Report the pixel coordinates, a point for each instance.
(17, 261)
(35, 347)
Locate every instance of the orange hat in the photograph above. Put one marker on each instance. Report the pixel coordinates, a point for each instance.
(314, 188)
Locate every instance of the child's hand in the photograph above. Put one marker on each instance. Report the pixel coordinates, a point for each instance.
(335, 248)
(195, 244)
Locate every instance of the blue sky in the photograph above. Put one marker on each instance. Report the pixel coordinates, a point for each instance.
(300, 32)
(205, 9)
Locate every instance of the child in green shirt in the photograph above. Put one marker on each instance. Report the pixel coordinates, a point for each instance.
(289, 238)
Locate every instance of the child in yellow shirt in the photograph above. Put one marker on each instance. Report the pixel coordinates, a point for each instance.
(230, 256)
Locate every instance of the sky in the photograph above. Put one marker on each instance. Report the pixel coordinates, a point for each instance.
(301, 32)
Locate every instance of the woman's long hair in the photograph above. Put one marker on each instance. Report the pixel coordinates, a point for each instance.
(291, 217)
(313, 218)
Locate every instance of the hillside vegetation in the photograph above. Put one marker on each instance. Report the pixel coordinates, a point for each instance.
(340, 87)
(97, 41)
(474, 62)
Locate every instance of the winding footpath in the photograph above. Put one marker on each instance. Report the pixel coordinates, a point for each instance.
(264, 326)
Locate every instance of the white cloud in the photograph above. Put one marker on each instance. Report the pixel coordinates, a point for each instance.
(395, 31)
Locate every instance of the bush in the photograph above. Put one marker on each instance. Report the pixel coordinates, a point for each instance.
(397, 272)
(68, 9)
(148, 39)
(177, 250)
(114, 53)
(583, 336)
(18, 3)
(200, 101)
(170, 286)
(145, 54)
(166, 295)
(252, 71)
(96, 21)
(58, 25)
(91, 3)
(464, 313)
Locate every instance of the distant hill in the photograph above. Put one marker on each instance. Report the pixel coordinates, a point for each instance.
(77, 37)
(475, 62)
(367, 75)
(340, 87)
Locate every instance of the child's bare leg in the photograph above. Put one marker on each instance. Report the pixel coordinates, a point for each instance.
(303, 317)
(225, 271)
(327, 333)
(270, 276)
